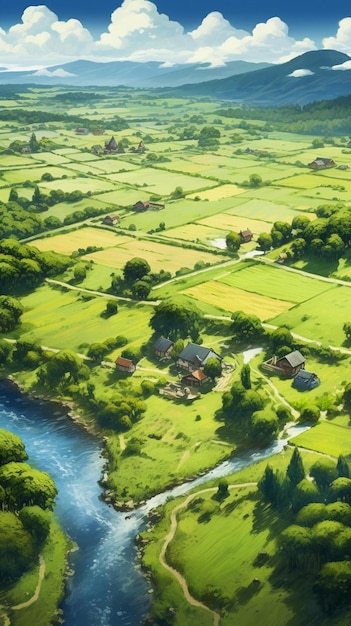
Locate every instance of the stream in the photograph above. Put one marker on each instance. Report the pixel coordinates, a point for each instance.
(107, 588)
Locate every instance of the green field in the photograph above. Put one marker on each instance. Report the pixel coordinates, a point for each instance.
(326, 438)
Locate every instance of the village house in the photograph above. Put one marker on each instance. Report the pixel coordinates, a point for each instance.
(111, 220)
(111, 147)
(163, 347)
(82, 131)
(125, 365)
(97, 149)
(98, 131)
(195, 378)
(246, 235)
(141, 206)
(304, 380)
(288, 365)
(194, 356)
(320, 163)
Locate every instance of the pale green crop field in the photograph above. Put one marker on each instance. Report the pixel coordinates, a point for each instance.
(80, 238)
(113, 165)
(34, 174)
(162, 182)
(322, 317)
(124, 196)
(229, 222)
(84, 185)
(51, 158)
(12, 160)
(192, 232)
(62, 209)
(266, 211)
(276, 283)
(217, 193)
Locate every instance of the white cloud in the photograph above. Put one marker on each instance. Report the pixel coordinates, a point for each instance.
(342, 66)
(300, 73)
(342, 39)
(139, 32)
(60, 73)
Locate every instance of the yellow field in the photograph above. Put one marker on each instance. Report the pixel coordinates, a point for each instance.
(224, 191)
(234, 299)
(159, 256)
(191, 232)
(228, 222)
(80, 238)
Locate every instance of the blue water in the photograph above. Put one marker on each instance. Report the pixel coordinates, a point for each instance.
(107, 588)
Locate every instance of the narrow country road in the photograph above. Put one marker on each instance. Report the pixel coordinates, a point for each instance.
(170, 536)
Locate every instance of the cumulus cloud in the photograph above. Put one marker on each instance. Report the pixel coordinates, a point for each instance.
(342, 40)
(342, 66)
(300, 73)
(139, 32)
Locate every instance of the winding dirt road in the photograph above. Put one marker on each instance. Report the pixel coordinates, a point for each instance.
(170, 536)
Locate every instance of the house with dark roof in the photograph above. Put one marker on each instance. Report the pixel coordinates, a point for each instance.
(194, 356)
(125, 365)
(320, 163)
(195, 378)
(291, 363)
(304, 380)
(141, 206)
(163, 347)
(246, 235)
(111, 147)
(111, 220)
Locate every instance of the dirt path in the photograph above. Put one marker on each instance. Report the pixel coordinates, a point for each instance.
(24, 605)
(170, 536)
(122, 443)
(281, 398)
(100, 294)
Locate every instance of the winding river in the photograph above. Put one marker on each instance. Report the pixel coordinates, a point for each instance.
(108, 588)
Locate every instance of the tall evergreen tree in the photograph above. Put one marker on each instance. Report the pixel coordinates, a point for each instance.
(245, 376)
(343, 467)
(34, 143)
(295, 471)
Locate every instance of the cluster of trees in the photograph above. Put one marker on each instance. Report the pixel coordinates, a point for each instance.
(177, 321)
(30, 116)
(24, 267)
(138, 279)
(318, 541)
(27, 497)
(10, 312)
(326, 117)
(328, 236)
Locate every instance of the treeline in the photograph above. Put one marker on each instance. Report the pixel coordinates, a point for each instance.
(26, 116)
(27, 497)
(24, 267)
(326, 117)
(317, 542)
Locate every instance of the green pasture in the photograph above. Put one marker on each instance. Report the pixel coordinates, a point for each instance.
(186, 447)
(62, 209)
(218, 193)
(34, 174)
(112, 165)
(320, 318)
(274, 282)
(229, 222)
(161, 182)
(51, 158)
(68, 320)
(124, 196)
(326, 438)
(311, 181)
(232, 299)
(192, 232)
(82, 183)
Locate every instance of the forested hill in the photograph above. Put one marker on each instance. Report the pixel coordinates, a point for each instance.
(325, 117)
(314, 75)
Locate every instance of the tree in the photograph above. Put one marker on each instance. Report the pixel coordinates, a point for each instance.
(343, 467)
(34, 143)
(16, 547)
(245, 376)
(233, 241)
(340, 489)
(111, 308)
(263, 427)
(11, 448)
(209, 137)
(135, 269)
(347, 330)
(175, 321)
(324, 472)
(295, 545)
(10, 312)
(222, 491)
(304, 493)
(311, 514)
(36, 521)
(309, 413)
(213, 368)
(265, 241)
(62, 369)
(295, 471)
(255, 180)
(333, 585)
(25, 486)
(141, 289)
(246, 327)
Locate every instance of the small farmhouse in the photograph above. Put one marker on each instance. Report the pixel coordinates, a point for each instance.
(288, 365)
(320, 163)
(141, 206)
(125, 365)
(246, 235)
(82, 131)
(111, 220)
(195, 378)
(304, 380)
(194, 356)
(163, 348)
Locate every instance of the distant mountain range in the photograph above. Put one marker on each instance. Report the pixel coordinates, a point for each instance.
(306, 78)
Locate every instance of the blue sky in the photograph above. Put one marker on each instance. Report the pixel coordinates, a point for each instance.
(213, 31)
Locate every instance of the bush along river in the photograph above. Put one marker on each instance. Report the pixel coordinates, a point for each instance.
(107, 588)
